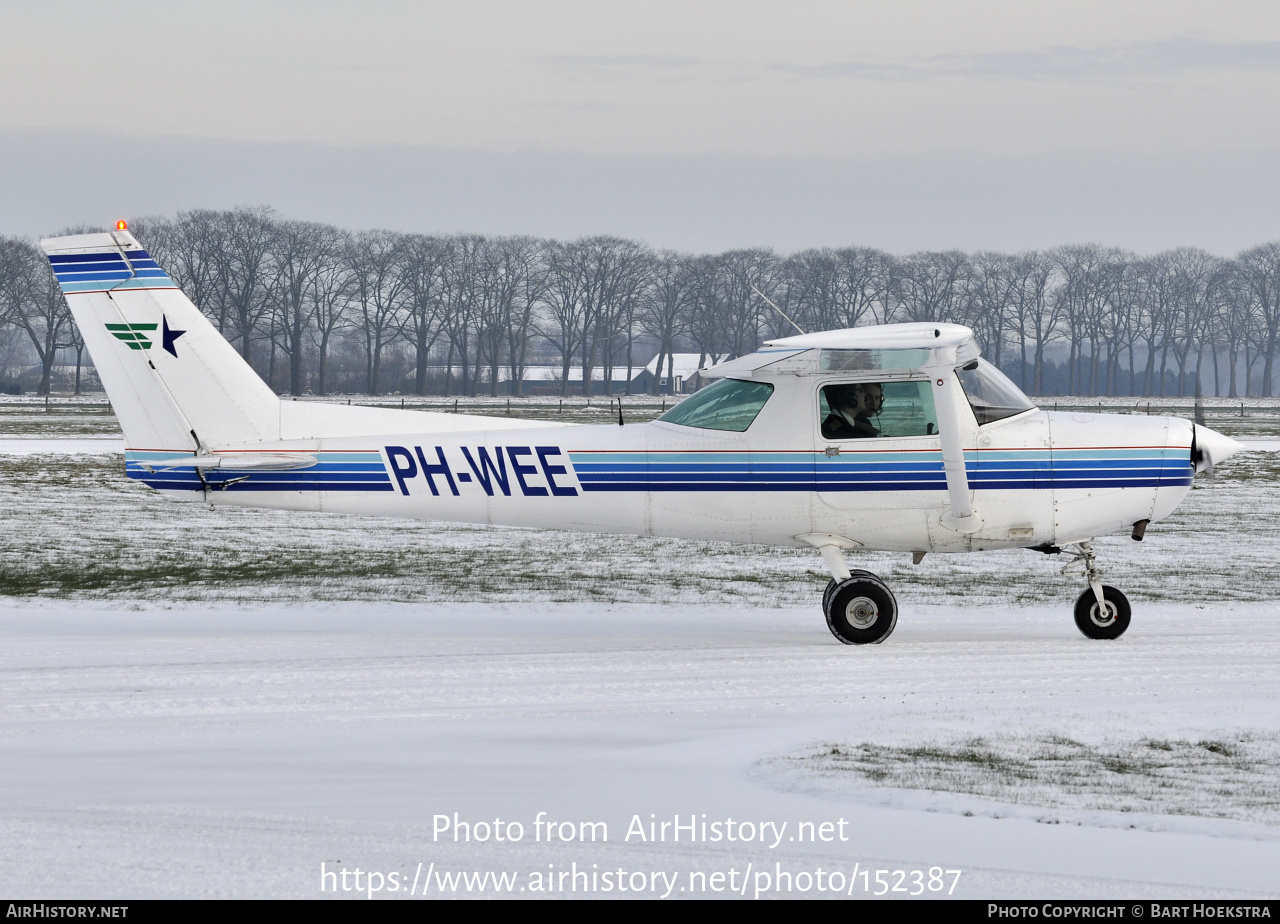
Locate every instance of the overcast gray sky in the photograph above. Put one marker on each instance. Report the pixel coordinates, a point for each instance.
(701, 125)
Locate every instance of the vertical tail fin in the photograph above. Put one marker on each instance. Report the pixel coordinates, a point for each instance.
(173, 380)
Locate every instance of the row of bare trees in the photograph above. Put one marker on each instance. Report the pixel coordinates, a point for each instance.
(316, 308)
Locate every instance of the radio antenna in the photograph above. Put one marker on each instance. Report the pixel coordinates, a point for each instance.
(770, 303)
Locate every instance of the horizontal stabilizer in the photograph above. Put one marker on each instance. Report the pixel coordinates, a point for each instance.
(258, 461)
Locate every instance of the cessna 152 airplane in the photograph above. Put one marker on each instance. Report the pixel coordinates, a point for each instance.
(894, 438)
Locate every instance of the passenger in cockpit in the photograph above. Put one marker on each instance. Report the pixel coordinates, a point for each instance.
(852, 407)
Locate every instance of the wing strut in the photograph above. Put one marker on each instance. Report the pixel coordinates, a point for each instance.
(962, 517)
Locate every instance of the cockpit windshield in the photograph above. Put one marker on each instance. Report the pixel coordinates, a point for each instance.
(990, 392)
(729, 404)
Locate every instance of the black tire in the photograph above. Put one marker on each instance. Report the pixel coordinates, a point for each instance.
(853, 573)
(1105, 625)
(861, 611)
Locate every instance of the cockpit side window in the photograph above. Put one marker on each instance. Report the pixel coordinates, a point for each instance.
(990, 392)
(729, 404)
(864, 410)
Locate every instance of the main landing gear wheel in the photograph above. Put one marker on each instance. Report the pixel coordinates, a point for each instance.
(861, 610)
(1106, 621)
(853, 573)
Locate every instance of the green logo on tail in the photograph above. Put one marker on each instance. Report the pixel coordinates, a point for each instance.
(133, 334)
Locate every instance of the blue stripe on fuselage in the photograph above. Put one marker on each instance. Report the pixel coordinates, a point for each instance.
(870, 470)
(860, 471)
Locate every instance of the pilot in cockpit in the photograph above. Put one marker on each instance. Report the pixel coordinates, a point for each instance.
(852, 407)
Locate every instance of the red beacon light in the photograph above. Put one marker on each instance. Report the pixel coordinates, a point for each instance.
(122, 225)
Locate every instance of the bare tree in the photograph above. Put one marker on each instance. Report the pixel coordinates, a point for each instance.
(593, 284)
(1033, 314)
(330, 303)
(739, 275)
(1123, 291)
(666, 308)
(708, 323)
(243, 272)
(932, 286)
(1232, 324)
(838, 288)
(621, 298)
(506, 295)
(612, 271)
(1196, 277)
(459, 293)
(376, 289)
(1260, 269)
(1156, 319)
(992, 292)
(523, 260)
(15, 262)
(566, 304)
(300, 252)
(422, 262)
(37, 306)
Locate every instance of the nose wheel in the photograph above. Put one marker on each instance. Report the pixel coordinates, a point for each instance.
(1102, 611)
(1107, 619)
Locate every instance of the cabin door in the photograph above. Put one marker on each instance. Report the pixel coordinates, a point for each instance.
(878, 450)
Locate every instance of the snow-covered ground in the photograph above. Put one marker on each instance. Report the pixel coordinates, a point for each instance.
(217, 703)
(230, 751)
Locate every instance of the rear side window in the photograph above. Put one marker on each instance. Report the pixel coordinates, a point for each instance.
(729, 404)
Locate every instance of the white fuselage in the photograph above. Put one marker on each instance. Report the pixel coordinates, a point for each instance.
(1038, 478)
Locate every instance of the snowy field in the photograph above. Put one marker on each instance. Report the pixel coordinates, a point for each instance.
(207, 703)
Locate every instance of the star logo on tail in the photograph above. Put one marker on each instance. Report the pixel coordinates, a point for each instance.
(170, 335)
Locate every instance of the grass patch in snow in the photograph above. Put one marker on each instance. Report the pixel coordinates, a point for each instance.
(1235, 777)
